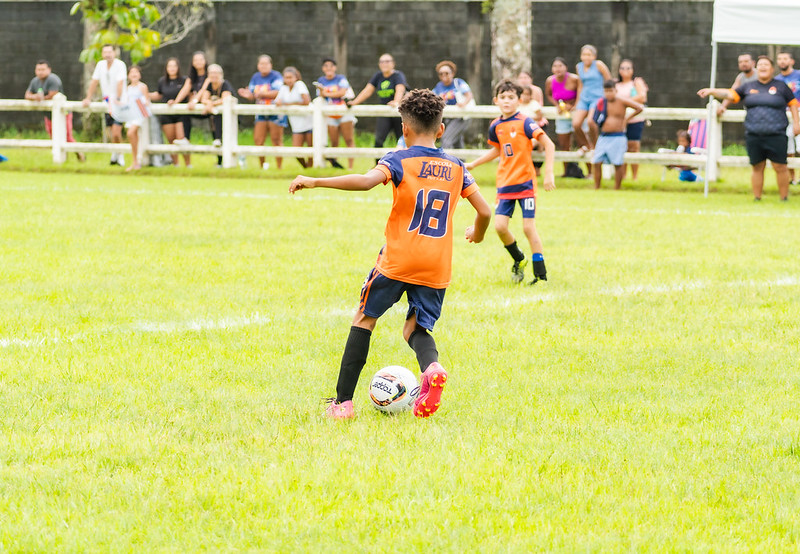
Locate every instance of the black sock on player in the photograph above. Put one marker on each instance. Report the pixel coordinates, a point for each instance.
(355, 356)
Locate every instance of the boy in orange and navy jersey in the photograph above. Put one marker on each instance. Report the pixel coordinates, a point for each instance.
(510, 137)
(417, 257)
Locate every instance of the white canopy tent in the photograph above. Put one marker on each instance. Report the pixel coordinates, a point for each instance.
(749, 22)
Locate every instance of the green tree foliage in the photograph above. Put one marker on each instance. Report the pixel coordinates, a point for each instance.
(123, 23)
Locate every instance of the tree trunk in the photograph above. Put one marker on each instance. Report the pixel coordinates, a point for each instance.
(91, 124)
(511, 38)
(340, 38)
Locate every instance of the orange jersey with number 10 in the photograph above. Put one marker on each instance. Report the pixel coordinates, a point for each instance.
(516, 176)
(419, 233)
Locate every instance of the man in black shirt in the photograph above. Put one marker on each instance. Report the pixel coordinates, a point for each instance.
(390, 85)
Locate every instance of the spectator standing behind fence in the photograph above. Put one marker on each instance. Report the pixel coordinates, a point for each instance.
(171, 85)
(562, 89)
(765, 101)
(747, 74)
(137, 107)
(791, 76)
(262, 89)
(44, 86)
(611, 116)
(634, 88)
(198, 74)
(391, 86)
(334, 88)
(592, 73)
(294, 92)
(456, 92)
(110, 73)
(213, 93)
(526, 79)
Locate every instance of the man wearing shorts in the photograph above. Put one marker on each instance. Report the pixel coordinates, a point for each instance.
(111, 73)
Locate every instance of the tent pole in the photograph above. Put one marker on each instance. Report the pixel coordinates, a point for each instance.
(712, 126)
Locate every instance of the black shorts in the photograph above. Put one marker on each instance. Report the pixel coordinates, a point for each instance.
(111, 121)
(766, 147)
(169, 119)
(379, 293)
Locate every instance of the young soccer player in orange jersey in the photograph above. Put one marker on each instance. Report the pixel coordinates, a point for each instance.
(510, 137)
(417, 257)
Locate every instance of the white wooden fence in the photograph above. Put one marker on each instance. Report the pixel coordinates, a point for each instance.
(231, 149)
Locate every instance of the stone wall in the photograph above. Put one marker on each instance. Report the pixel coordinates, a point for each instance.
(668, 41)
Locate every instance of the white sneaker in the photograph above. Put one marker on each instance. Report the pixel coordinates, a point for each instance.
(121, 160)
(216, 142)
(182, 142)
(265, 166)
(114, 158)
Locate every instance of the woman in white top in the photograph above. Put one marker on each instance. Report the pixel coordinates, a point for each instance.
(294, 92)
(634, 88)
(138, 108)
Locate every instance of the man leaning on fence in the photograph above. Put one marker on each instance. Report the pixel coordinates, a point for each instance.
(45, 86)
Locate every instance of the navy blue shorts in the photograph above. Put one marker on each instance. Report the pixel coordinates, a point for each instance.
(634, 130)
(506, 207)
(380, 293)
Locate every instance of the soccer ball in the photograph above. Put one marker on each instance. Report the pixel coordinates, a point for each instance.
(393, 389)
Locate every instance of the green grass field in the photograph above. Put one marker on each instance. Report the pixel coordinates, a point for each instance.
(166, 339)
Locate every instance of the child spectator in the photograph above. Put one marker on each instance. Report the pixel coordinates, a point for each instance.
(138, 111)
(685, 147)
(417, 257)
(294, 92)
(611, 119)
(511, 137)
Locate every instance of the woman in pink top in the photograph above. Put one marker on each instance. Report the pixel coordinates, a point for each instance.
(562, 89)
(634, 88)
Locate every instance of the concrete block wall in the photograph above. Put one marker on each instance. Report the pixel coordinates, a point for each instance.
(668, 41)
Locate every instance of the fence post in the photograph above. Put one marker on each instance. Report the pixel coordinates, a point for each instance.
(144, 142)
(58, 119)
(714, 130)
(230, 131)
(320, 132)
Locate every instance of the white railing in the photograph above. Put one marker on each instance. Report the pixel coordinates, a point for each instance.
(230, 149)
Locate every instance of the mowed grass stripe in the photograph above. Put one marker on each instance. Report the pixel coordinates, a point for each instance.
(644, 398)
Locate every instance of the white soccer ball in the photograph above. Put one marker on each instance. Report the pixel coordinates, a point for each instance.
(393, 389)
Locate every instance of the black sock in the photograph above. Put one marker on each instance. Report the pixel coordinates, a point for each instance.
(353, 360)
(515, 252)
(424, 347)
(539, 271)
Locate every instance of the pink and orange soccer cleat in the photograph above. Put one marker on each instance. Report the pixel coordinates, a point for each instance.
(336, 410)
(430, 393)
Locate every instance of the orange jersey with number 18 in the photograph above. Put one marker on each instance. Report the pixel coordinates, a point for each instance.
(419, 232)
